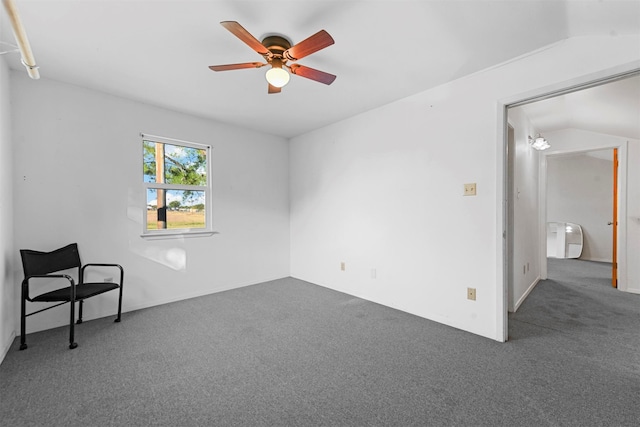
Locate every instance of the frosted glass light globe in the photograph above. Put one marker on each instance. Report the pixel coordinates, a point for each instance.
(277, 77)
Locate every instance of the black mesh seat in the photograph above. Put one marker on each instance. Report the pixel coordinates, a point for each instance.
(40, 265)
(87, 290)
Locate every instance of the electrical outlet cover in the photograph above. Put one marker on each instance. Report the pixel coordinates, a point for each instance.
(470, 189)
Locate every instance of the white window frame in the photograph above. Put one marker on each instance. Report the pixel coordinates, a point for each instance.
(177, 232)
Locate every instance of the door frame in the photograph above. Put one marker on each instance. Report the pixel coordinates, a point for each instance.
(504, 257)
(622, 206)
(614, 216)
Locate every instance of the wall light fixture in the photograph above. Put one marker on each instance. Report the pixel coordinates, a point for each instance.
(539, 143)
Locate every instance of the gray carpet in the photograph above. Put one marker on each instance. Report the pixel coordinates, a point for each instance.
(288, 352)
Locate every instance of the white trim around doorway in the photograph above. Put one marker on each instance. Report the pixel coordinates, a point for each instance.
(503, 257)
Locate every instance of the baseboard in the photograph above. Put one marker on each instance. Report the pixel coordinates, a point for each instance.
(526, 294)
(597, 260)
(182, 297)
(7, 346)
(447, 321)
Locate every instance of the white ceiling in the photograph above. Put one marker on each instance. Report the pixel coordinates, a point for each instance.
(158, 51)
(611, 109)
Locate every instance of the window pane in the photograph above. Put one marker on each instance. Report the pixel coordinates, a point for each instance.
(176, 209)
(149, 161)
(185, 165)
(180, 165)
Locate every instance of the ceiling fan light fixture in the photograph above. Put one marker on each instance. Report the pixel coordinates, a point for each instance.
(277, 76)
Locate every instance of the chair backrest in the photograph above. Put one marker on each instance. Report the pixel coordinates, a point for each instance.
(36, 263)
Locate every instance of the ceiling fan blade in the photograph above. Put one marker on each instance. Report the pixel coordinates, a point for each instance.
(311, 73)
(273, 89)
(244, 35)
(228, 67)
(318, 41)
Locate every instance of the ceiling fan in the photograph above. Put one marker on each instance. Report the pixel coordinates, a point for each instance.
(277, 51)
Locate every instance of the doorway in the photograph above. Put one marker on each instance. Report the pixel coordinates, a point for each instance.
(580, 143)
(581, 209)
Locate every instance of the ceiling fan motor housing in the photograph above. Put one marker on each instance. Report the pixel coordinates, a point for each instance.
(276, 45)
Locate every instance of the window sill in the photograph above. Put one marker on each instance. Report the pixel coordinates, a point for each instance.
(178, 235)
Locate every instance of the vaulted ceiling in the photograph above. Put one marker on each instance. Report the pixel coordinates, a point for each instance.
(158, 52)
(611, 109)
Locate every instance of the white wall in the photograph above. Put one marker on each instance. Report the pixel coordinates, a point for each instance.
(78, 176)
(573, 140)
(580, 190)
(526, 243)
(632, 216)
(8, 286)
(383, 190)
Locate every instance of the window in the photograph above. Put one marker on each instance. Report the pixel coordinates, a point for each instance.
(177, 188)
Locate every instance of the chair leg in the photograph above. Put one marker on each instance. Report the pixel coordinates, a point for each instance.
(72, 344)
(120, 299)
(23, 321)
(79, 321)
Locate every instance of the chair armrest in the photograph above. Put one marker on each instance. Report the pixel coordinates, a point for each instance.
(49, 276)
(118, 266)
(102, 265)
(25, 282)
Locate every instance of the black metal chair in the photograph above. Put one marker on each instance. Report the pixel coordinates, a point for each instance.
(40, 265)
